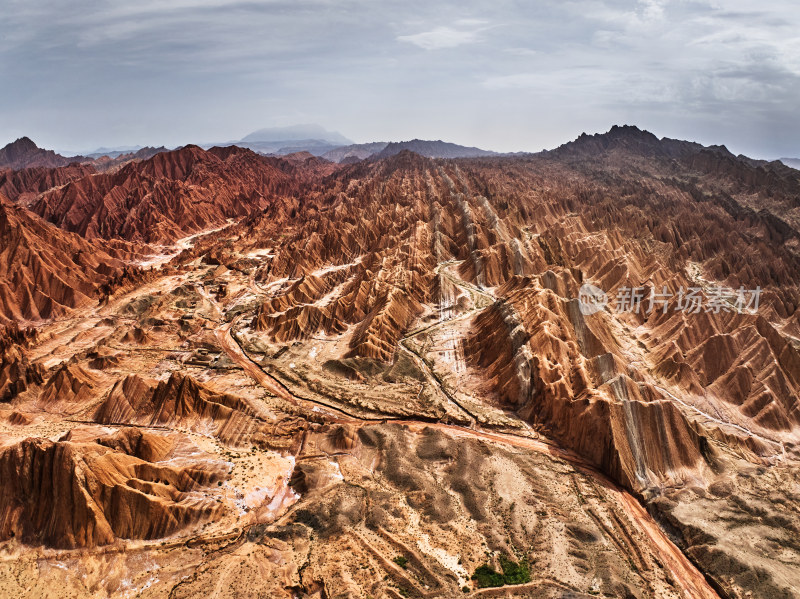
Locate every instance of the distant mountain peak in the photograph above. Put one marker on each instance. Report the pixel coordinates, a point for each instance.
(23, 143)
(625, 137)
(297, 133)
(433, 149)
(17, 149)
(23, 153)
(354, 152)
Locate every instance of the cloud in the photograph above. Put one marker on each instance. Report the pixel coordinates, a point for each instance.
(445, 37)
(515, 81)
(522, 51)
(506, 75)
(652, 9)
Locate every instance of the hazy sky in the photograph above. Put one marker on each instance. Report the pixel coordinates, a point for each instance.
(500, 74)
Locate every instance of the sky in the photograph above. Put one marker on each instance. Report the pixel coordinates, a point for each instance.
(506, 75)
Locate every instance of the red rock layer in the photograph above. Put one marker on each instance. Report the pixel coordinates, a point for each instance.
(68, 495)
(16, 372)
(45, 271)
(546, 364)
(168, 196)
(181, 402)
(70, 385)
(25, 185)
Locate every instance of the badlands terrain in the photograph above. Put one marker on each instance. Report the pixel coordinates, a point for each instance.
(224, 374)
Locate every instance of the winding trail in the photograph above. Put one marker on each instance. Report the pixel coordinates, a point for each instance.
(235, 352)
(253, 370)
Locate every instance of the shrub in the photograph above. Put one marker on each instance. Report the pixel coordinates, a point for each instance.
(513, 573)
(487, 577)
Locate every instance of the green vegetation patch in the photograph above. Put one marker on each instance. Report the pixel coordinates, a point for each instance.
(513, 573)
(487, 577)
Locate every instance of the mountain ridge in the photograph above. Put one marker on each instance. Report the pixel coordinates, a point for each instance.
(45, 271)
(433, 149)
(166, 196)
(24, 153)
